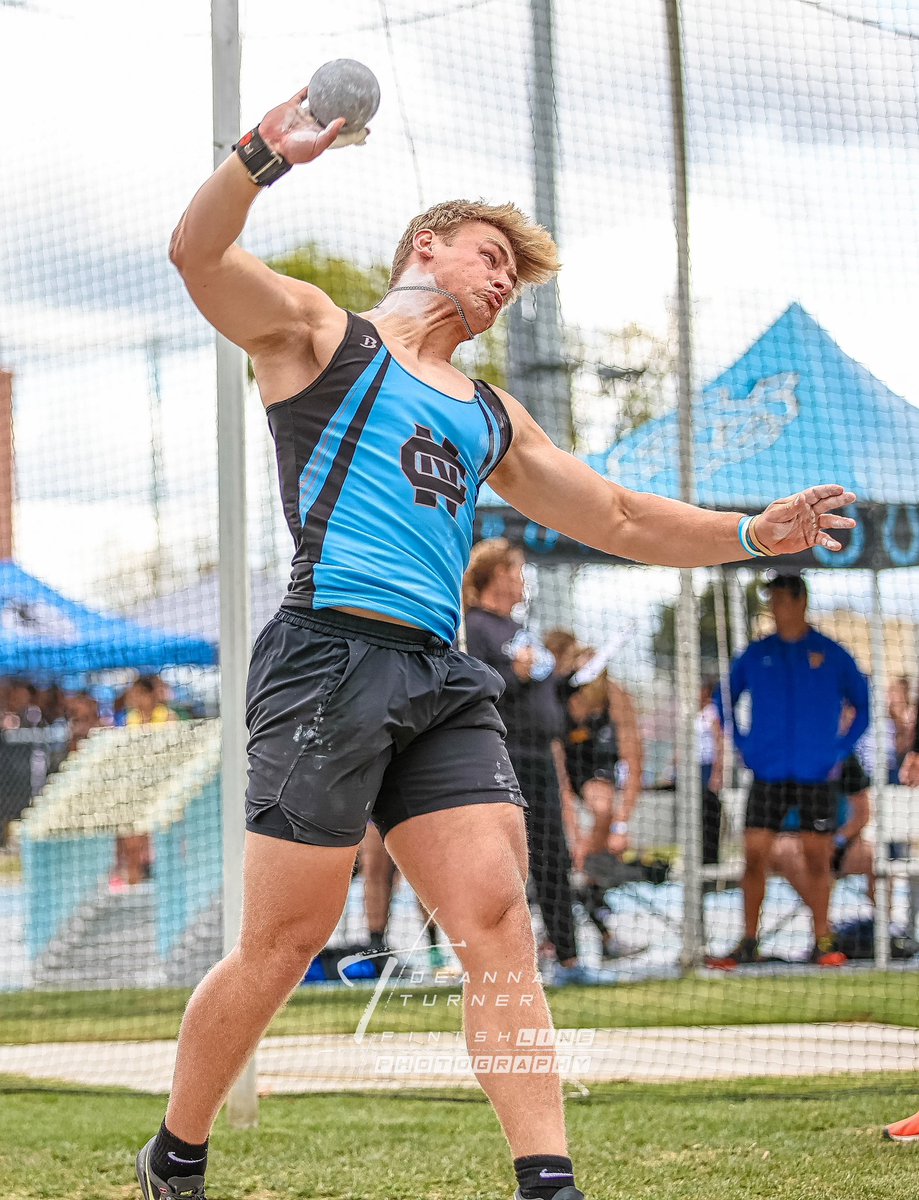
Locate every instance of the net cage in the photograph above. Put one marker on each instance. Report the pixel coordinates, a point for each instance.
(798, 130)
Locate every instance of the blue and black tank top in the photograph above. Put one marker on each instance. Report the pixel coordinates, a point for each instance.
(379, 477)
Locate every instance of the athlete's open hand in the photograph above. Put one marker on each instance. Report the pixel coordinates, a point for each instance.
(294, 132)
(801, 521)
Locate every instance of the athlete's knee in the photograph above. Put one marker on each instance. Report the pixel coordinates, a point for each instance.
(502, 912)
(287, 941)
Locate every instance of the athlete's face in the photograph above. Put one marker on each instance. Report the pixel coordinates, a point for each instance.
(479, 268)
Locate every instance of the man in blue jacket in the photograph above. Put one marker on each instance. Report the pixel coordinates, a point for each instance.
(798, 682)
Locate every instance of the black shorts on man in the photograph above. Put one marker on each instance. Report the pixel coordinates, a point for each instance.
(352, 719)
(769, 803)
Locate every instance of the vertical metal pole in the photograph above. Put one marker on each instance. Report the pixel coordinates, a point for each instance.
(724, 672)
(537, 365)
(740, 634)
(156, 457)
(689, 784)
(242, 1102)
(7, 484)
(882, 886)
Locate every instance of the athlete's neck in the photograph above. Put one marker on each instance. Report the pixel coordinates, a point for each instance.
(427, 323)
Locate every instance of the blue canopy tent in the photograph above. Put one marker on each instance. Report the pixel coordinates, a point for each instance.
(43, 634)
(793, 410)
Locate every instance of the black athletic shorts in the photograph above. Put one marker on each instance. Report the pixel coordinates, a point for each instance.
(351, 718)
(769, 803)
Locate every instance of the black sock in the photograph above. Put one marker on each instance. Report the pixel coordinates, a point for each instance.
(171, 1157)
(377, 940)
(540, 1176)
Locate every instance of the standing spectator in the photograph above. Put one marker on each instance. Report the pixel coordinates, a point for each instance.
(798, 681)
(143, 705)
(493, 587)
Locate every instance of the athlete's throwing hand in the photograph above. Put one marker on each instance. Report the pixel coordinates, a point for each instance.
(295, 134)
(798, 522)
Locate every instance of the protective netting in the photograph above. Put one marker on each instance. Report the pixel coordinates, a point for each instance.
(801, 131)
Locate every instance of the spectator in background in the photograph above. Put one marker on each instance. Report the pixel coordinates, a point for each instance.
(909, 768)
(52, 702)
(143, 705)
(600, 767)
(82, 713)
(493, 587)
(146, 702)
(852, 854)
(602, 741)
(22, 708)
(902, 714)
(798, 681)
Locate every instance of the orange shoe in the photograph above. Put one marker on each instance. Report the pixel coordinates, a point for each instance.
(746, 951)
(904, 1131)
(826, 953)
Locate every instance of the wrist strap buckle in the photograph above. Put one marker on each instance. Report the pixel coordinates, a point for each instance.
(263, 164)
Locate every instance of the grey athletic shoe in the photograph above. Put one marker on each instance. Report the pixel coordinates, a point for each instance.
(177, 1188)
(567, 1193)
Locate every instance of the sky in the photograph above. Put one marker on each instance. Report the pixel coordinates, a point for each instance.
(804, 165)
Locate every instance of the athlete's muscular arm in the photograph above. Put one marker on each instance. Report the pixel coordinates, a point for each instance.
(247, 301)
(559, 491)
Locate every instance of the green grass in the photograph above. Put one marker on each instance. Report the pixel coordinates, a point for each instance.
(803, 1140)
(146, 1015)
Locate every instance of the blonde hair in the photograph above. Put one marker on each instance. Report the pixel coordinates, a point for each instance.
(484, 560)
(534, 249)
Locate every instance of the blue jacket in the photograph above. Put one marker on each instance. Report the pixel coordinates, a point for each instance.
(797, 691)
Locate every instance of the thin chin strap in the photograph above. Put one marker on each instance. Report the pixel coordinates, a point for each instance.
(440, 291)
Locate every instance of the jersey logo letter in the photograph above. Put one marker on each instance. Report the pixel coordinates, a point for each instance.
(368, 342)
(434, 469)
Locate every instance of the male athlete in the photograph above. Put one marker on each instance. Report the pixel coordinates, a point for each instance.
(358, 707)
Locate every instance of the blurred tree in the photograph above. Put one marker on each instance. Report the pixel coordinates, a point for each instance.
(622, 378)
(665, 634)
(350, 286)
